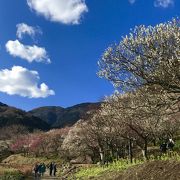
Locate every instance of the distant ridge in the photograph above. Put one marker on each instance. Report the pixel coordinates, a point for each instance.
(57, 116)
(13, 116)
(1, 104)
(44, 118)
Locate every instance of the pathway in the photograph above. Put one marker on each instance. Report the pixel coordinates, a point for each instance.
(45, 177)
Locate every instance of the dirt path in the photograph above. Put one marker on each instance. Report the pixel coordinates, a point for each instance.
(45, 177)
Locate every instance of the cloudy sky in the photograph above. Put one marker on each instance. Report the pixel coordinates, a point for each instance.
(49, 48)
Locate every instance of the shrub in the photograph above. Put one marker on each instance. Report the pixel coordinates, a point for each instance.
(12, 175)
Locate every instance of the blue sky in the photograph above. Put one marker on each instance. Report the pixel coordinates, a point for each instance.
(73, 37)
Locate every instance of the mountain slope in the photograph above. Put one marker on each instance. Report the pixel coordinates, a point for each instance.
(61, 117)
(49, 114)
(13, 116)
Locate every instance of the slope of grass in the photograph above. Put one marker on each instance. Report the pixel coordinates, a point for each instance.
(29, 160)
(98, 170)
(118, 166)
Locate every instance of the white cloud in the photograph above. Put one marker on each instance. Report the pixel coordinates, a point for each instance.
(163, 3)
(132, 1)
(29, 53)
(23, 82)
(63, 11)
(23, 29)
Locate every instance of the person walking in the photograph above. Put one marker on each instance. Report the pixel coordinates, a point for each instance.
(163, 147)
(42, 169)
(51, 167)
(170, 144)
(39, 169)
(55, 169)
(36, 169)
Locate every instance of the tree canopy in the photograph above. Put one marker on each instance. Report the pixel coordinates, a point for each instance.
(147, 56)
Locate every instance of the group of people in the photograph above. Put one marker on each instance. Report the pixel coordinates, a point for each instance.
(167, 145)
(52, 169)
(40, 169)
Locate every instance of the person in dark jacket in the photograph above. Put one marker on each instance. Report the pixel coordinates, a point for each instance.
(42, 169)
(51, 167)
(55, 169)
(39, 169)
(170, 144)
(163, 147)
(36, 170)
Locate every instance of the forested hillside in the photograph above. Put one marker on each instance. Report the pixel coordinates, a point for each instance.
(61, 117)
(12, 116)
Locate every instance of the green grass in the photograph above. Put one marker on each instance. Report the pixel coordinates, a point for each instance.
(98, 170)
(12, 175)
(91, 172)
(166, 157)
(4, 170)
(177, 145)
(120, 165)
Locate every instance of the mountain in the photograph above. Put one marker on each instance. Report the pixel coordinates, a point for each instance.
(13, 116)
(61, 117)
(44, 118)
(49, 114)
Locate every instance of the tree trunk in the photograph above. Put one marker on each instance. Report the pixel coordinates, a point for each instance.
(154, 142)
(101, 156)
(144, 151)
(130, 151)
